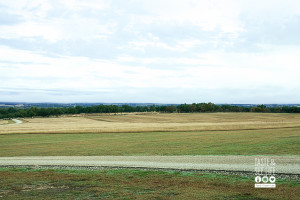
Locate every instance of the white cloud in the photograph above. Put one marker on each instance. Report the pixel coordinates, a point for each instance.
(90, 4)
(30, 29)
(231, 71)
(185, 48)
(207, 14)
(36, 21)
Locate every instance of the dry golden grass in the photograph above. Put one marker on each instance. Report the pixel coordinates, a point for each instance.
(3, 122)
(153, 122)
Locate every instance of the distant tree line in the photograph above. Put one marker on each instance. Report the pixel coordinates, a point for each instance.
(183, 108)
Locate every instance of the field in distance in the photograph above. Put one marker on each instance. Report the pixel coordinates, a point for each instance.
(154, 134)
(153, 122)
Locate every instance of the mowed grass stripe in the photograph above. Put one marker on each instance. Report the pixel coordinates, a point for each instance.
(285, 141)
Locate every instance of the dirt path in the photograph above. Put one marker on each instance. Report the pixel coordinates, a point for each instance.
(284, 164)
(16, 121)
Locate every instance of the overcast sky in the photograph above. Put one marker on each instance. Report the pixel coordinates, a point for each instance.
(158, 51)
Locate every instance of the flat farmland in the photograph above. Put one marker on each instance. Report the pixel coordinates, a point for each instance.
(154, 138)
(154, 134)
(153, 122)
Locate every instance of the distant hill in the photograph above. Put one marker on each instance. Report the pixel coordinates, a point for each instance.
(67, 105)
(61, 105)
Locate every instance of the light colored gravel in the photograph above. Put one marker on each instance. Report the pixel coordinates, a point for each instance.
(284, 164)
(16, 122)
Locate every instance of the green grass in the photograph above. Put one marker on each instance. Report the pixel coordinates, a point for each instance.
(134, 184)
(284, 141)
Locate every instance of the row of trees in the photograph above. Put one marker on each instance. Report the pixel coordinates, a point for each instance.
(183, 108)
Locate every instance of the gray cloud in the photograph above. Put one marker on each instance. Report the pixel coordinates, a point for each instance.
(144, 51)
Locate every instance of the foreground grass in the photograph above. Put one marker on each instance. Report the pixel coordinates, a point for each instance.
(247, 142)
(134, 184)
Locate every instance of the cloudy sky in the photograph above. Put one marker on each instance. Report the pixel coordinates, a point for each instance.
(160, 51)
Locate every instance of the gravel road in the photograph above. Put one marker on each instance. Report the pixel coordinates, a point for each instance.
(284, 164)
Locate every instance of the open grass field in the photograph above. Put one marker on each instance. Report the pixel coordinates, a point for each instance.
(180, 134)
(146, 134)
(154, 122)
(135, 184)
(283, 141)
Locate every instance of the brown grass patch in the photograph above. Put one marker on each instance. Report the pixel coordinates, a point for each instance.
(154, 122)
(3, 122)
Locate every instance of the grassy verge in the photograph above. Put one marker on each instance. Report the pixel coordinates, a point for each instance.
(283, 141)
(134, 184)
